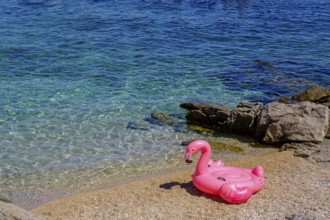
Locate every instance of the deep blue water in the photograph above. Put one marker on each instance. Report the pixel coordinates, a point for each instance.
(79, 79)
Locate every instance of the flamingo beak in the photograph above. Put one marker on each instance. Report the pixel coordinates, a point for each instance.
(187, 157)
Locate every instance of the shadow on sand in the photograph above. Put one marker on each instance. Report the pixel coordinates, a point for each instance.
(191, 189)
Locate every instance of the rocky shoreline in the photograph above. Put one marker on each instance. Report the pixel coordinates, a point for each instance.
(298, 123)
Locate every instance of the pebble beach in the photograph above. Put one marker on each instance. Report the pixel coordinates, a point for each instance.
(294, 189)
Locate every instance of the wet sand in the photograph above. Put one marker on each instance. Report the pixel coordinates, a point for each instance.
(294, 188)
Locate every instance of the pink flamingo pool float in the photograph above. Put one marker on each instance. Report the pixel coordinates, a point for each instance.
(234, 185)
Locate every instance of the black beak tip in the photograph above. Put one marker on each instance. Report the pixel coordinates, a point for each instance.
(189, 161)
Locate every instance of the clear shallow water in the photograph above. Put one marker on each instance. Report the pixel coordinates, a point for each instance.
(80, 79)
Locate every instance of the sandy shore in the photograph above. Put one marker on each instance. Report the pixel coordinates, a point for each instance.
(294, 188)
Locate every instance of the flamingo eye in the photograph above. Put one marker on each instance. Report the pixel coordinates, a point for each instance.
(193, 149)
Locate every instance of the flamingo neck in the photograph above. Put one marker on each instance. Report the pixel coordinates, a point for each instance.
(203, 162)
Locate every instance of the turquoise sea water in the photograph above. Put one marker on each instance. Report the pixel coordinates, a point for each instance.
(80, 79)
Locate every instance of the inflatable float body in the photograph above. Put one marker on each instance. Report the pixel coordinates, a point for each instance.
(234, 185)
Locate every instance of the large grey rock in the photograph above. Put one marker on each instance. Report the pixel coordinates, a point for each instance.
(9, 211)
(316, 94)
(242, 119)
(301, 122)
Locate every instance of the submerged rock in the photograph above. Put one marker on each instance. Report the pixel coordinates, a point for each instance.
(301, 122)
(164, 118)
(135, 126)
(201, 129)
(263, 63)
(315, 94)
(9, 211)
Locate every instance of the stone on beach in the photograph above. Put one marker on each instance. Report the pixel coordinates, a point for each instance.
(301, 122)
(316, 94)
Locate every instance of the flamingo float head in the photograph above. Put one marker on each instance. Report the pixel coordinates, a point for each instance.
(194, 147)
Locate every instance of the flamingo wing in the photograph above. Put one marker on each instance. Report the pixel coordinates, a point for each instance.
(233, 193)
